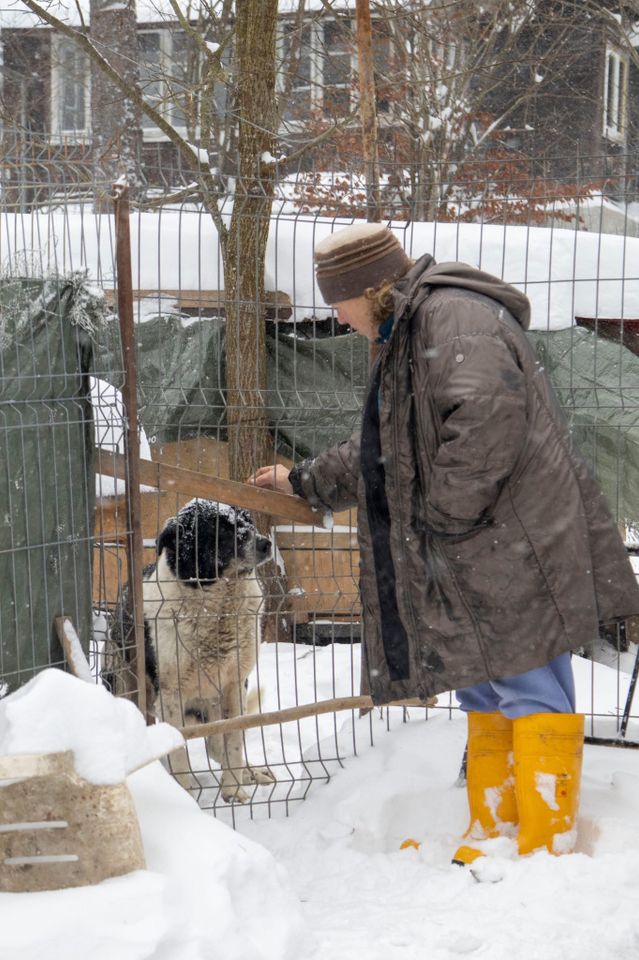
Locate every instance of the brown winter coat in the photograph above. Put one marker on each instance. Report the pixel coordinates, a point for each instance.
(503, 549)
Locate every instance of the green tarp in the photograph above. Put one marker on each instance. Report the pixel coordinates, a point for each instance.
(597, 382)
(316, 387)
(47, 488)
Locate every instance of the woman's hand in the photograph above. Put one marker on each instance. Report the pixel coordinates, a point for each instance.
(272, 478)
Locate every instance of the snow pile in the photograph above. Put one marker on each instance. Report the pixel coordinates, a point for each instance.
(209, 892)
(206, 892)
(108, 736)
(565, 273)
(365, 897)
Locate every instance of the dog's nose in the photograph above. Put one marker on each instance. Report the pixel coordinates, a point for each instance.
(262, 548)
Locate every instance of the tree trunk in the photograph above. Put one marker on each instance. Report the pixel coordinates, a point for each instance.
(249, 439)
(250, 442)
(117, 132)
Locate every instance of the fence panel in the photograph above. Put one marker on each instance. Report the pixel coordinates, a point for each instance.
(306, 607)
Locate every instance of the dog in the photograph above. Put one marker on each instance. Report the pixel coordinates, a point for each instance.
(202, 608)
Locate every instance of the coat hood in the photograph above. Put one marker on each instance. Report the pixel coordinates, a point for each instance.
(413, 288)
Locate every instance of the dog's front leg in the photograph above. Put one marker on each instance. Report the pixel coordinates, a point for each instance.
(233, 759)
(177, 761)
(232, 749)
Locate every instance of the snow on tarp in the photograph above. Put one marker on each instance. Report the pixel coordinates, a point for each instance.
(207, 892)
(566, 273)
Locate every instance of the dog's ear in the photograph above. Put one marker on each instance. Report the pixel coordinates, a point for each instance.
(167, 535)
(201, 561)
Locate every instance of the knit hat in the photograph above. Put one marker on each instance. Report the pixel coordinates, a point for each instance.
(353, 259)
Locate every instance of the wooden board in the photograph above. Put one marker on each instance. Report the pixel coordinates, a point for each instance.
(277, 304)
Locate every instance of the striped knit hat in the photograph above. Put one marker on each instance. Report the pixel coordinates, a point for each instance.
(353, 259)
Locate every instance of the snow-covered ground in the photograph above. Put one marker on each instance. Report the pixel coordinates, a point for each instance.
(330, 880)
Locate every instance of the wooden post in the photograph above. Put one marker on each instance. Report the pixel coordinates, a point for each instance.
(135, 543)
(368, 111)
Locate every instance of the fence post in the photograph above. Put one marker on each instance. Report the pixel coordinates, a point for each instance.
(135, 543)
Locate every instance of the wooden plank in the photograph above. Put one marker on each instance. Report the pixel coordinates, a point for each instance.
(317, 540)
(73, 652)
(276, 301)
(174, 479)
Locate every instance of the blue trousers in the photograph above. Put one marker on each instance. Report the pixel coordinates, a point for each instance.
(549, 689)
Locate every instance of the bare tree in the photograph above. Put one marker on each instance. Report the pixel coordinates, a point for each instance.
(467, 94)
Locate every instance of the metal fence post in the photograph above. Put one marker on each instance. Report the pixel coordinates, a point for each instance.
(135, 543)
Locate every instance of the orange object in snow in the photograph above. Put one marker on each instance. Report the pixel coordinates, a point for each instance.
(415, 844)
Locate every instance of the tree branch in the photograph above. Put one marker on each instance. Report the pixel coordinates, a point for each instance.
(207, 181)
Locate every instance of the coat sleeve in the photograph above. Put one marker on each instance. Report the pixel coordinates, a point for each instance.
(329, 481)
(478, 399)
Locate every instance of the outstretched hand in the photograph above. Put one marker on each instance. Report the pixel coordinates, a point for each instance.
(272, 478)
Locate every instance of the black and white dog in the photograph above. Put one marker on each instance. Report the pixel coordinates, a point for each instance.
(202, 610)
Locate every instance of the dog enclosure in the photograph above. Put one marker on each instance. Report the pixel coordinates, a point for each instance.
(84, 506)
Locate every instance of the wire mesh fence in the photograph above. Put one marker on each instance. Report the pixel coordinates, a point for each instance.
(563, 240)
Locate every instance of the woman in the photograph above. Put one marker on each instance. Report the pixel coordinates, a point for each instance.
(487, 550)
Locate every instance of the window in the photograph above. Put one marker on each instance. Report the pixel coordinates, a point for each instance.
(169, 72)
(297, 45)
(615, 96)
(322, 63)
(337, 51)
(70, 87)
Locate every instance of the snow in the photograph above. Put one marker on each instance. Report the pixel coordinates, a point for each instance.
(200, 153)
(546, 786)
(56, 711)
(330, 881)
(565, 273)
(109, 424)
(14, 13)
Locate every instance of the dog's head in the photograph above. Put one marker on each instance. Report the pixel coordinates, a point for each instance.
(209, 540)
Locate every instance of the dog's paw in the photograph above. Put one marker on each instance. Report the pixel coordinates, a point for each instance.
(261, 775)
(234, 793)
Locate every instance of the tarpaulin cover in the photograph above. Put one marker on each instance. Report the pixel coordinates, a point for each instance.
(316, 388)
(47, 488)
(597, 382)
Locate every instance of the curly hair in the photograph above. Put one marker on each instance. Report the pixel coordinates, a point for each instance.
(382, 299)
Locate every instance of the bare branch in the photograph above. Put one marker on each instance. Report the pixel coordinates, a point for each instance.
(207, 181)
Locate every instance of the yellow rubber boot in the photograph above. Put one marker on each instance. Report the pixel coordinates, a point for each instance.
(490, 782)
(548, 751)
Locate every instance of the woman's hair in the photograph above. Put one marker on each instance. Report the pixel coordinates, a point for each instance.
(382, 298)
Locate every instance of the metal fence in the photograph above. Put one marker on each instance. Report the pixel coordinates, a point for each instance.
(566, 241)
